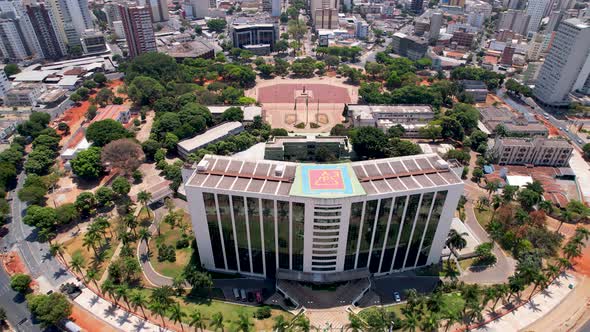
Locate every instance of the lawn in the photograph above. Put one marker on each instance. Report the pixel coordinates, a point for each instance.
(169, 236)
(467, 263)
(452, 302)
(483, 216)
(75, 246)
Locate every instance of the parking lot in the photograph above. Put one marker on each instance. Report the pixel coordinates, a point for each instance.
(265, 287)
(383, 288)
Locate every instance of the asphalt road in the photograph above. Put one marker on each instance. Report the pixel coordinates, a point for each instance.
(35, 256)
(524, 108)
(15, 306)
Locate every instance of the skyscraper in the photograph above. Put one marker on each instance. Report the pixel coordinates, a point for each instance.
(51, 44)
(416, 6)
(17, 37)
(139, 32)
(72, 18)
(435, 25)
(567, 66)
(536, 10)
(159, 10)
(324, 13)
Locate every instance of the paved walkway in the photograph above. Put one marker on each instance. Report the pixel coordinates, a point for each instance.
(540, 305)
(333, 319)
(153, 277)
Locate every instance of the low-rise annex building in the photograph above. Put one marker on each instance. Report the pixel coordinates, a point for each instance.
(321, 222)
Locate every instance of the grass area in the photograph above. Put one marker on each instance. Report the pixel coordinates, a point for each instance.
(467, 263)
(169, 236)
(145, 217)
(438, 270)
(75, 246)
(483, 216)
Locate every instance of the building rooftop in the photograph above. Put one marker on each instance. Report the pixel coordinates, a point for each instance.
(472, 84)
(514, 141)
(210, 135)
(367, 111)
(110, 112)
(25, 88)
(278, 141)
(189, 49)
(33, 75)
(371, 177)
(51, 96)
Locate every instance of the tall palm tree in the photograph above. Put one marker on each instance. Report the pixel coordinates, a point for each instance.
(159, 309)
(144, 235)
(552, 271)
(58, 249)
(90, 240)
(411, 322)
(501, 291)
(138, 300)
(546, 206)
(491, 187)
(103, 224)
(496, 203)
(489, 294)
(452, 318)
(430, 323)
(582, 233)
(92, 276)
(217, 322)
(572, 250)
(78, 263)
(144, 198)
(566, 216)
(122, 292)
(108, 288)
(197, 320)
(176, 314)
(355, 324)
(131, 222)
(280, 324)
(243, 323)
(540, 281)
(564, 264)
(302, 324)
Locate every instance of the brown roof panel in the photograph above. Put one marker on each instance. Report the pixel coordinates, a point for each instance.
(423, 163)
(409, 182)
(211, 182)
(270, 187)
(384, 168)
(368, 187)
(241, 184)
(221, 164)
(396, 184)
(262, 169)
(411, 165)
(359, 171)
(255, 185)
(198, 179)
(371, 170)
(248, 168)
(382, 186)
(397, 166)
(284, 189)
(235, 166)
(226, 182)
(423, 181)
(436, 179)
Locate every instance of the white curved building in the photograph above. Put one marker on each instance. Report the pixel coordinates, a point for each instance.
(321, 222)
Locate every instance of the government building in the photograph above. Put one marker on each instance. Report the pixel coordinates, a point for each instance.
(321, 222)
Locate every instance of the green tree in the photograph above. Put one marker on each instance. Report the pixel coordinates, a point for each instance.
(104, 196)
(40, 217)
(369, 142)
(20, 283)
(243, 323)
(49, 309)
(217, 25)
(197, 320)
(11, 69)
(144, 198)
(145, 90)
(87, 164)
(138, 299)
(85, 203)
(233, 114)
(216, 322)
(102, 132)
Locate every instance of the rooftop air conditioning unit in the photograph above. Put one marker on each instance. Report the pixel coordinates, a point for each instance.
(279, 170)
(441, 164)
(202, 165)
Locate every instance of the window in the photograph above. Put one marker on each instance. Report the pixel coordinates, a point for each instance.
(241, 233)
(367, 233)
(213, 226)
(268, 222)
(283, 234)
(255, 234)
(297, 235)
(419, 229)
(411, 211)
(391, 238)
(356, 211)
(228, 232)
(381, 226)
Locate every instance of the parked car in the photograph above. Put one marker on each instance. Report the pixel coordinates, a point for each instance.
(236, 293)
(243, 295)
(396, 297)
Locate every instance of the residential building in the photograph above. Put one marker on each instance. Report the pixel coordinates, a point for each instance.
(24, 94)
(536, 151)
(416, 6)
(410, 117)
(567, 65)
(303, 148)
(516, 4)
(536, 10)
(529, 76)
(111, 10)
(139, 32)
(477, 90)
(326, 11)
(507, 54)
(159, 10)
(436, 21)
(516, 21)
(18, 40)
(4, 83)
(93, 41)
(119, 29)
(199, 8)
(361, 29)
(276, 8)
(409, 46)
(321, 222)
(514, 125)
(463, 38)
(212, 135)
(44, 26)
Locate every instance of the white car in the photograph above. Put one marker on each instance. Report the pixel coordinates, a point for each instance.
(396, 297)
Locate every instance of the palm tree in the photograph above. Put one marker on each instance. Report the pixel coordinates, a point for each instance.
(501, 291)
(176, 314)
(572, 250)
(475, 311)
(496, 203)
(564, 264)
(411, 298)
(411, 322)
(92, 276)
(108, 288)
(566, 216)
(58, 249)
(159, 309)
(280, 324)
(542, 281)
(91, 238)
(489, 294)
(355, 323)
(582, 233)
(243, 323)
(452, 318)
(103, 224)
(144, 235)
(217, 321)
(131, 222)
(492, 187)
(169, 204)
(122, 292)
(138, 299)
(546, 206)
(430, 323)
(552, 271)
(77, 263)
(197, 320)
(302, 323)
(144, 198)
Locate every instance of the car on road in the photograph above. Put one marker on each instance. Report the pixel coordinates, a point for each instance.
(396, 297)
(580, 141)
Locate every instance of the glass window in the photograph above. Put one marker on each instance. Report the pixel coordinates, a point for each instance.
(406, 230)
(241, 233)
(323, 263)
(268, 221)
(323, 269)
(283, 234)
(326, 233)
(255, 236)
(394, 225)
(382, 220)
(367, 233)
(419, 229)
(324, 258)
(228, 231)
(333, 227)
(213, 226)
(356, 210)
(324, 252)
(439, 202)
(298, 235)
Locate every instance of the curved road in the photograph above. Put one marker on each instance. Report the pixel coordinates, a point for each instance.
(150, 274)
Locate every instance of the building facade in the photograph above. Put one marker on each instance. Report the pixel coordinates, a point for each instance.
(411, 47)
(536, 10)
(93, 42)
(516, 21)
(311, 222)
(410, 117)
(139, 32)
(537, 152)
(18, 40)
(303, 148)
(255, 36)
(50, 42)
(567, 65)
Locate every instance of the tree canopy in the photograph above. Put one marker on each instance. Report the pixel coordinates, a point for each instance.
(102, 132)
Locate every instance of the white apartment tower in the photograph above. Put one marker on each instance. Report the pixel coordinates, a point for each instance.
(536, 10)
(17, 36)
(567, 65)
(435, 24)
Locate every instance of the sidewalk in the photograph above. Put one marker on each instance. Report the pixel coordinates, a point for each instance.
(540, 305)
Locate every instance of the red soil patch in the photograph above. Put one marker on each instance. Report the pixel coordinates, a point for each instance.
(13, 264)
